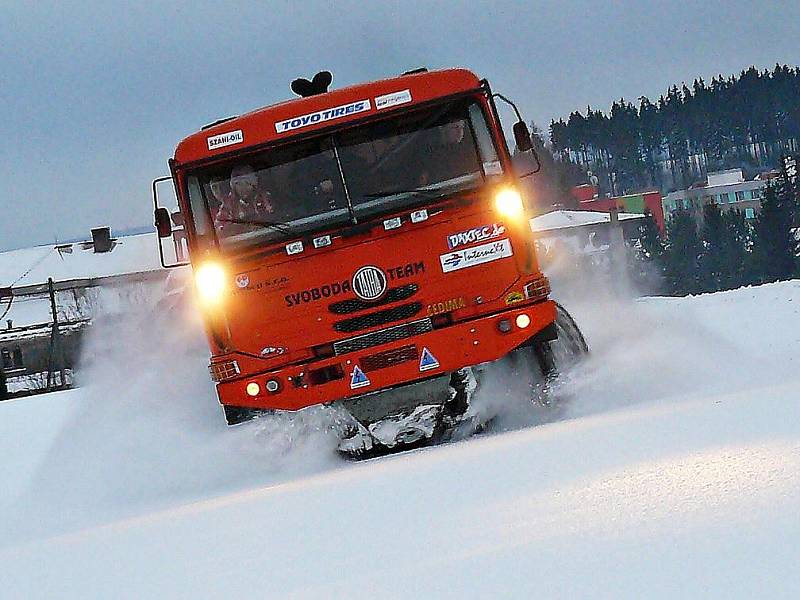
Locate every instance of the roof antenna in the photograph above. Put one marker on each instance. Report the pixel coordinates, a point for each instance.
(318, 85)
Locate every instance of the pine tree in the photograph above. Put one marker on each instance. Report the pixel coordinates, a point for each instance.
(776, 247)
(714, 267)
(682, 253)
(649, 271)
(737, 246)
(650, 237)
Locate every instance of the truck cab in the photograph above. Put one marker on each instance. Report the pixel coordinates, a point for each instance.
(357, 241)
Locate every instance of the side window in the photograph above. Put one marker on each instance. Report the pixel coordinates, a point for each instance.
(5, 355)
(202, 220)
(483, 137)
(16, 358)
(173, 248)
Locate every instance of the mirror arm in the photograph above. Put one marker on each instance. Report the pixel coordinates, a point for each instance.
(519, 119)
(509, 102)
(538, 163)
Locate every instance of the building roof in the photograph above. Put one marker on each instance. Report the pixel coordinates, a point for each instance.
(65, 262)
(564, 219)
(710, 190)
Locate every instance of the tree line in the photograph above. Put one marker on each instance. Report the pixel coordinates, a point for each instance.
(726, 252)
(747, 121)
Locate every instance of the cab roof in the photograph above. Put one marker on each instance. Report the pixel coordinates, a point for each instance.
(336, 107)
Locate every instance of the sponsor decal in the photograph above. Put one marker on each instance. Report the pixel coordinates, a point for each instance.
(225, 139)
(294, 247)
(418, 216)
(369, 283)
(317, 293)
(393, 99)
(493, 168)
(427, 361)
(470, 257)
(276, 283)
(476, 234)
(437, 308)
(242, 280)
(321, 242)
(392, 223)
(329, 114)
(514, 297)
(273, 350)
(358, 378)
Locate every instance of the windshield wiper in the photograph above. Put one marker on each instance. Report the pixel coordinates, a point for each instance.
(422, 192)
(282, 227)
(415, 191)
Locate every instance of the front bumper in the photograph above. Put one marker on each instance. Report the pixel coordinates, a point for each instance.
(389, 365)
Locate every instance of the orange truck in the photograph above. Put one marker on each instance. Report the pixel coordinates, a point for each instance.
(364, 247)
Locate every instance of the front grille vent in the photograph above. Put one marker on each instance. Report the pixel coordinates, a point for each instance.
(397, 294)
(382, 317)
(389, 358)
(384, 336)
(223, 370)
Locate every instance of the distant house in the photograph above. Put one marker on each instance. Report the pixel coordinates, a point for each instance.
(728, 189)
(582, 234)
(588, 198)
(86, 275)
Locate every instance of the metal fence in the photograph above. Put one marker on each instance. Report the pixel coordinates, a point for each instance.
(43, 329)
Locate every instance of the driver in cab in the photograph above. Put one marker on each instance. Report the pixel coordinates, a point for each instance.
(246, 203)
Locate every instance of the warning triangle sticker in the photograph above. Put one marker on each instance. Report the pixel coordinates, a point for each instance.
(358, 379)
(427, 361)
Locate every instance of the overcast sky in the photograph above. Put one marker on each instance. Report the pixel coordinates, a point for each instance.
(94, 97)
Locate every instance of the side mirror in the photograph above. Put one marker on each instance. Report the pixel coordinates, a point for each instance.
(163, 224)
(522, 136)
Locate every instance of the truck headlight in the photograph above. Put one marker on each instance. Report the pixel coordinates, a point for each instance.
(508, 203)
(209, 278)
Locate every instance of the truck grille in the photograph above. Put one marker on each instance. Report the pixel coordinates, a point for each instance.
(389, 358)
(393, 295)
(398, 313)
(384, 336)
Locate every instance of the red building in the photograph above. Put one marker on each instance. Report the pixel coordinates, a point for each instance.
(588, 199)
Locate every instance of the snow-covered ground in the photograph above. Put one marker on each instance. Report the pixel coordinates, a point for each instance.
(675, 474)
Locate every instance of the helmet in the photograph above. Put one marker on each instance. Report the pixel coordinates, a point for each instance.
(244, 173)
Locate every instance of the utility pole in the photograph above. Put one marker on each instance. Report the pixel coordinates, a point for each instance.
(619, 268)
(54, 341)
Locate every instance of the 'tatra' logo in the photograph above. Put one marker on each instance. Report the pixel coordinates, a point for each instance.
(369, 283)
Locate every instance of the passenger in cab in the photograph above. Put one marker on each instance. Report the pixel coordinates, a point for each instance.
(375, 167)
(450, 156)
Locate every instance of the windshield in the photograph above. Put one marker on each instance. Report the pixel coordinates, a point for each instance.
(345, 177)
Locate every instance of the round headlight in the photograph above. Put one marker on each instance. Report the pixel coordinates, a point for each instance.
(252, 389)
(508, 203)
(523, 321)
(209, 279)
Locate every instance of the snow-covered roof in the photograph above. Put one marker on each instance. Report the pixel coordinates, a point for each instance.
(563, 219)
(65, 262)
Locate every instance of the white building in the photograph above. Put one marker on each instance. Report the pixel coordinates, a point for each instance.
(728, 189)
